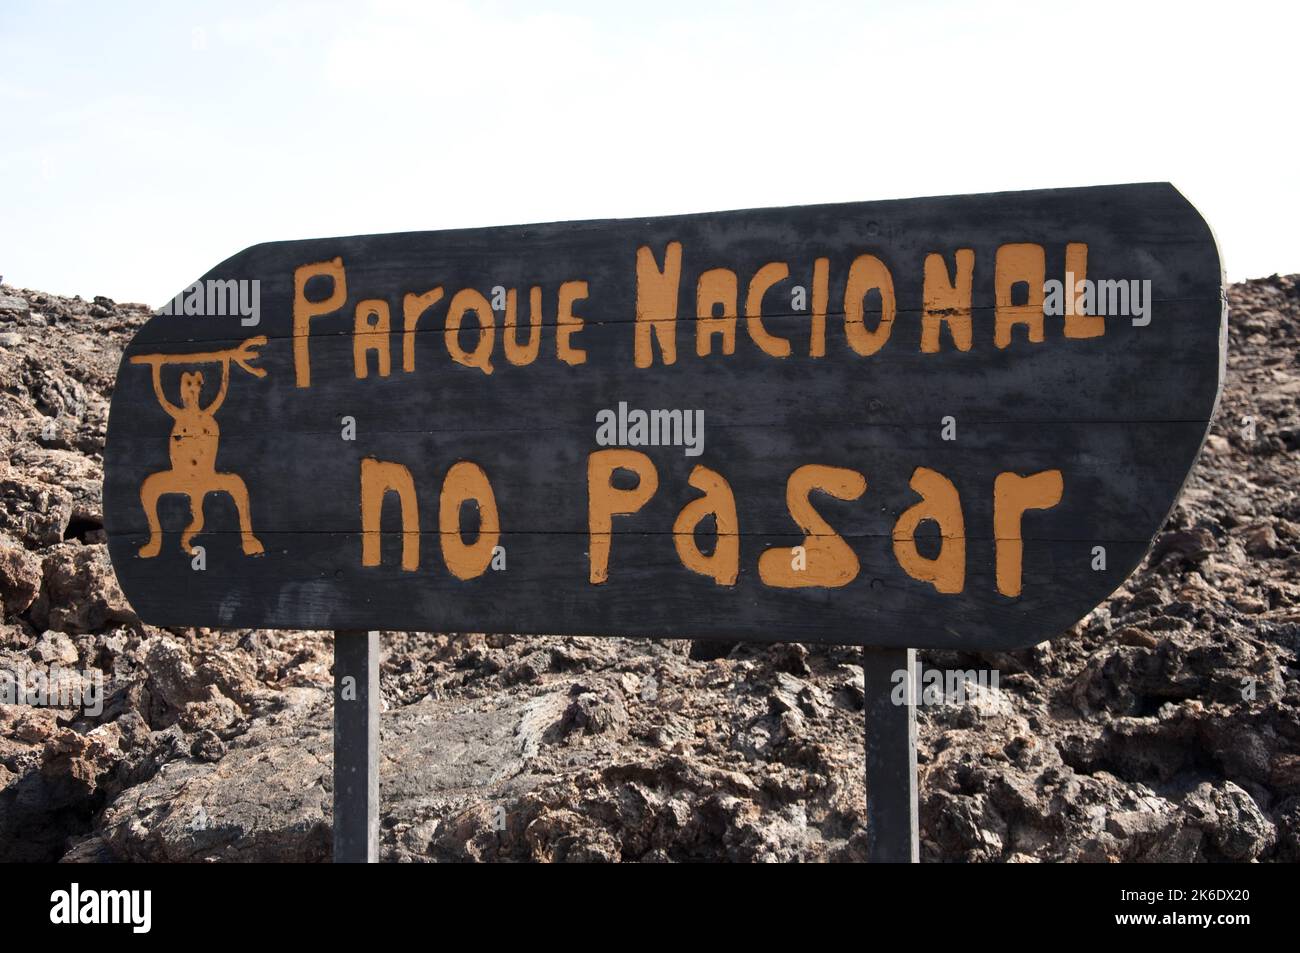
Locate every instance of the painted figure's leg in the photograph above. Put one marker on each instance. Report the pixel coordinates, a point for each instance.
(234, 485)
(154, 486)
(196, 519)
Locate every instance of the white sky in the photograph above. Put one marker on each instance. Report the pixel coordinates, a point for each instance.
(141, 144)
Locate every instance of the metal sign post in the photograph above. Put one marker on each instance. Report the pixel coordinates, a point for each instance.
(891, 755)
(356, 747)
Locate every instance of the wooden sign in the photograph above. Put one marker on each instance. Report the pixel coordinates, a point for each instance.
(936, 422)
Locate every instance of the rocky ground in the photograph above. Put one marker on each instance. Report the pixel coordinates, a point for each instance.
(1164, 727)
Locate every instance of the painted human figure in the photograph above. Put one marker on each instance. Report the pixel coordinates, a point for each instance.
(193, 450)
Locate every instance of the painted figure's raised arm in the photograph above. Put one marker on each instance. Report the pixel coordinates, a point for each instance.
(167, 405)
(217, 401)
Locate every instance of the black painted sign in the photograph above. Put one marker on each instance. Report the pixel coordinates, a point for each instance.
(936, 422)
